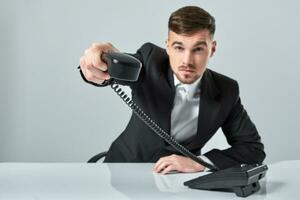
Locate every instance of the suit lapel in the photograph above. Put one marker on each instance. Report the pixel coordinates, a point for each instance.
(167, 93)
(170, 78)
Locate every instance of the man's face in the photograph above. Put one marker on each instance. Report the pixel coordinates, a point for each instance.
(189, 54)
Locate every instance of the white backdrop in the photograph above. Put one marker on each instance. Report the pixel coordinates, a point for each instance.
(48, 114)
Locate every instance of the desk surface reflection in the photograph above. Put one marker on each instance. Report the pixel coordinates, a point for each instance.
(78, 181)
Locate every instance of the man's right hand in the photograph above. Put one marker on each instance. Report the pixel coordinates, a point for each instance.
(92, 66)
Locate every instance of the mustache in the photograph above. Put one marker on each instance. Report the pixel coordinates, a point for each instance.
(187, 67)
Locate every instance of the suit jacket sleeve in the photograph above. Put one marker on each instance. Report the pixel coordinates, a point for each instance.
(142, 54)
(242, 136)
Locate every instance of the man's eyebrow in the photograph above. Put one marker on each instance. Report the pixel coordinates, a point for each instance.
(197, 43)
(200, 43)
(176, 42)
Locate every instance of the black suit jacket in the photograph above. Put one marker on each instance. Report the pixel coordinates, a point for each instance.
(220, 106)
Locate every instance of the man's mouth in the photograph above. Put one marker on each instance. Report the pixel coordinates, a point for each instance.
(186, 69)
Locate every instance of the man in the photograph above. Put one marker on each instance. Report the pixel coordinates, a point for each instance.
(185, 98)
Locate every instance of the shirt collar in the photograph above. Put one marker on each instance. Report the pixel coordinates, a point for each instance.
(192, 89)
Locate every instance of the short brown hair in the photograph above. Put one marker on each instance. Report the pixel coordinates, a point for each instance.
(190, 19)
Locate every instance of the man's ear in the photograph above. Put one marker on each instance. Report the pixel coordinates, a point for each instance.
(213, 48)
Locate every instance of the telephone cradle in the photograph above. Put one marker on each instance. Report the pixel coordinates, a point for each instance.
(242, 180)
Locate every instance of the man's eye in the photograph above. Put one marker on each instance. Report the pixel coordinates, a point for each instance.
(178, 48)
(198, 49)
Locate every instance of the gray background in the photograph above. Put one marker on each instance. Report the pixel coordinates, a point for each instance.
(48, 114)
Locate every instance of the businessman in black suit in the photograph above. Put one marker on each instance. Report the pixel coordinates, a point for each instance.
(188, 100)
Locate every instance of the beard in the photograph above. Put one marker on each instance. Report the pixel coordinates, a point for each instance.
(186, 79)
(187, 74)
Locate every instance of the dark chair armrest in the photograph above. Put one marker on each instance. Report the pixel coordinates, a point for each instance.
(97, 157)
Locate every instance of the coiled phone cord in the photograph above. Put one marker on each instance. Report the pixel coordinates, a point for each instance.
(159, 131)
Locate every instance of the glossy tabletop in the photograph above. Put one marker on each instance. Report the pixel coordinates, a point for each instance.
(76, 181)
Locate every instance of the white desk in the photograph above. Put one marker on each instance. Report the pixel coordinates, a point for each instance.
(43, 181)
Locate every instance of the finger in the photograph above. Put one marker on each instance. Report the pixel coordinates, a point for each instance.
(95, 61)
(95, 75)
(94, 52)
(85, 64)
(92, 57)
(162, 166)
(168, 169)
(98, 62)
(159, 162)
(163, 159)
(98, 73)
(96, 44)
(156, 164)
(92, 78)
(82, 62)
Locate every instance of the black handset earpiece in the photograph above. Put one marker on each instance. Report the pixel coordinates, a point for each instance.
(122, 66)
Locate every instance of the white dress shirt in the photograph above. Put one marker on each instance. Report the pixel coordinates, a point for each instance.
(184, 115)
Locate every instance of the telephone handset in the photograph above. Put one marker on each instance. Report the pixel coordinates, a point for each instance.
(122, 66)
(243, 180)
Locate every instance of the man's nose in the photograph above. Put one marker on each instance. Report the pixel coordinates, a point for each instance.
(187, 58)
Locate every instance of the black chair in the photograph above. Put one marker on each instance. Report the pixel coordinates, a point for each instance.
(97, 157)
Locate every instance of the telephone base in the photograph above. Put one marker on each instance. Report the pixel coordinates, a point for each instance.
(242, 180)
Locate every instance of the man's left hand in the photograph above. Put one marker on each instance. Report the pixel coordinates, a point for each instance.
(177, 163)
